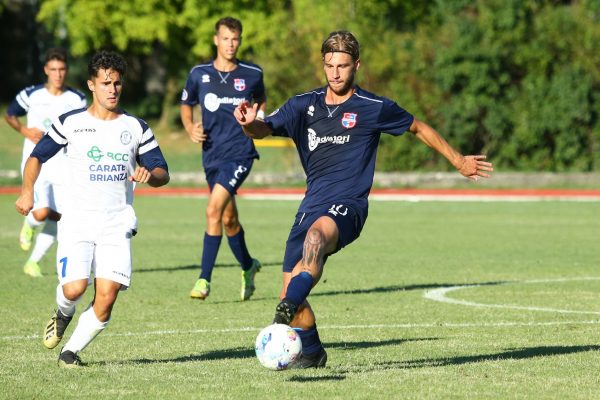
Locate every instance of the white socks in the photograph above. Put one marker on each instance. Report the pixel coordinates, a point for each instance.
(43, 241)
(66, 306)
(88, 327)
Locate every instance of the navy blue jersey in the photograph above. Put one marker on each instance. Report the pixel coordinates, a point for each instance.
(218, 93)
(337, 144)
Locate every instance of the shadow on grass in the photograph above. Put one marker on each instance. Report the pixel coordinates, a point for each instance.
(402, 288)
(510, 354)
(245, 352)
(197, 267)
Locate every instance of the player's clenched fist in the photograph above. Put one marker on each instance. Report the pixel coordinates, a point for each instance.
(140, 175)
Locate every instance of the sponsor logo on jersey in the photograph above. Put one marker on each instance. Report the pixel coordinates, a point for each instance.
(96, 154)
(314, 140)
(239, 84)
(349, 120)
(212, 101)
(311, 111)
(184, 95)
(205, 78)
(84, 130)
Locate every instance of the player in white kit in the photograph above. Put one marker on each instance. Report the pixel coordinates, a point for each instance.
(103, 145)
(41, 103)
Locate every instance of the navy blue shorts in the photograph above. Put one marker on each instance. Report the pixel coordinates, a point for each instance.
(346, 218)
(230, 175)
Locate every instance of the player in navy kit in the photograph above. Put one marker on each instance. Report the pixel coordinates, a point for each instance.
(336, 130)
(227, 154)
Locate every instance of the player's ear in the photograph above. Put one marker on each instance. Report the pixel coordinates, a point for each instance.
(357, 63)
(90, 85)
(215, 40)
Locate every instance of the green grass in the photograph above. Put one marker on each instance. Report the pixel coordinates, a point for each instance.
(384, 338)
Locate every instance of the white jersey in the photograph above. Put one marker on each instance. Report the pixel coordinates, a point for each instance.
(101, 155)
(41, 107)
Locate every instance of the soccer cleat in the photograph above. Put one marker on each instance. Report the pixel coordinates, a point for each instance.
(68, 359)
(248, 287)
(26, 236)
(284, 312)
(55, 329)
(201, 289)
(32, 268)
(317, 360)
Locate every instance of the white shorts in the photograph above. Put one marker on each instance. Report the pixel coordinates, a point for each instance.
(98, 245)
(47, 195)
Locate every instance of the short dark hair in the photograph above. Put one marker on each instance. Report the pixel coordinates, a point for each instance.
(343, 42)
(106, 60)
(231, 23)
(55, 53)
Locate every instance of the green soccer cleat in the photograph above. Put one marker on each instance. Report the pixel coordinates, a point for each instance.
(55, 329)
(26, 236)
(201, 289)
(248, 287)
(68, 359)
(32, 269)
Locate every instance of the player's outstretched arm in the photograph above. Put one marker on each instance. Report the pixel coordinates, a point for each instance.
(245, 114)
(32, 169)
(471, 167)
(155, 178)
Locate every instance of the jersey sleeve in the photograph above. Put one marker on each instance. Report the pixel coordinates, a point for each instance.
(20, 105)
(393, 119)
(259, 92)
(45, 149)
(284, 120)
(57, 131)
(189, 95)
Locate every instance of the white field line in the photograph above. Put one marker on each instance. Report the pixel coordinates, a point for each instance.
(327, 327)
(440, 295)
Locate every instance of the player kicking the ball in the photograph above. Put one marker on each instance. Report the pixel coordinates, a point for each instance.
(336, 130)
(98, 220)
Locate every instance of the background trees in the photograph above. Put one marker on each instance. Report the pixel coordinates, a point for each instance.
(516, 79)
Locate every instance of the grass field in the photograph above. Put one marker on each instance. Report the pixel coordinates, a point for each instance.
(531, 329)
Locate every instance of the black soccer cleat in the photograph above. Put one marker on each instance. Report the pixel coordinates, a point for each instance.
(68, 359)
(55, 329)
(284, 312)
(317, 360)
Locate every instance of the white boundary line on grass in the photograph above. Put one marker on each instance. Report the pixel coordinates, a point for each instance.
(326, 327)
(440, 295)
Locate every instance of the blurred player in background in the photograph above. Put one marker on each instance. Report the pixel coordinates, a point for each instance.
(41, 103)
(336, 129)
(104, 143)
(227, 154)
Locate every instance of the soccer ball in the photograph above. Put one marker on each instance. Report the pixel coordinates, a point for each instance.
(277, 346)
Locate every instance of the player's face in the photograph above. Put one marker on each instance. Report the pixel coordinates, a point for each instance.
(106, 88)
(340, 69)
(227, 42)
(56, 71)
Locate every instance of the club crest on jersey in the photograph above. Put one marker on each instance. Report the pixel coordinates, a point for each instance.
(239, 84)
(349, 120)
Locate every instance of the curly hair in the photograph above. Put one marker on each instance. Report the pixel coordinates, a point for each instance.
(107, 60)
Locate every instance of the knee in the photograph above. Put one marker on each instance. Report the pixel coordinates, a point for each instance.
(41, 214)
(230, 222)
(314, 239)
(104, 300)
(73, 292)
(213, 214)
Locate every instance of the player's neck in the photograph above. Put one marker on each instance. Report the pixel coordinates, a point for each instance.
(53, 90)
(333, 98)
(102, 113)
(225, 65)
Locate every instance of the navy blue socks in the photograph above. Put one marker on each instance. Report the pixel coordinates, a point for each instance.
(239, 249)
(209, 255)
(311, 343)
(299, 288)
